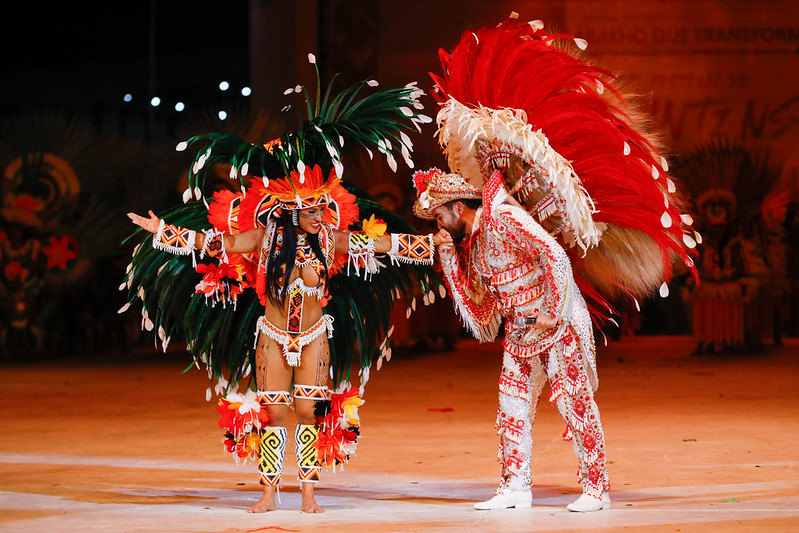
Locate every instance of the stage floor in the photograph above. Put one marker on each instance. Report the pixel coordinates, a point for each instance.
(127, 443)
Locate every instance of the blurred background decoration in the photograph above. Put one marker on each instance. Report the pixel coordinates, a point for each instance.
(91, 116)
(63, 187)
(739, 209)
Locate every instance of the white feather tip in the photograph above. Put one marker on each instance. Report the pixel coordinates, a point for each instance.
(664, 290)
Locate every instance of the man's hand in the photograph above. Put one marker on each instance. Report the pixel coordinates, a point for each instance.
(150, 224)
(545, 322)
(446, 247)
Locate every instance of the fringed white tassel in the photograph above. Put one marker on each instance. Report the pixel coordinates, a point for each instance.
(485, 333)
(159, 245)
(292, 358)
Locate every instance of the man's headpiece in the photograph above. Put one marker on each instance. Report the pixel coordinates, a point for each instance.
(435, 188)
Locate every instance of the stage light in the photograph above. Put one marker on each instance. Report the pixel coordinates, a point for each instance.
(180, 106)
(155, 102)
(246, 91)
(222, 115)
(128, 97)
(224, 86)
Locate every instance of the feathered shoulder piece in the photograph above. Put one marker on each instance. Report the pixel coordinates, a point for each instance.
(573, 152)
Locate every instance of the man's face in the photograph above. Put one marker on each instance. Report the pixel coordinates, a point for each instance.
(448, 217)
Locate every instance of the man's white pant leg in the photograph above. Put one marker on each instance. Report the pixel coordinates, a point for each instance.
(520, 385)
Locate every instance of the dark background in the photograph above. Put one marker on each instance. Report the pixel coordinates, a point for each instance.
(80, 62)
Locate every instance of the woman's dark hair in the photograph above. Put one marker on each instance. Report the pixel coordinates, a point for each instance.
(313, 240)
(281, 263)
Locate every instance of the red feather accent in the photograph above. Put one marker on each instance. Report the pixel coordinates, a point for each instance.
(253, 203)
(347, 208)
(585, 119)
(223, 216)
(337, 437)
(241, 429)
(219, 210)
(422, 177)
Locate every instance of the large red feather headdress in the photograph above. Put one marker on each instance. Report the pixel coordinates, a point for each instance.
(572, 150)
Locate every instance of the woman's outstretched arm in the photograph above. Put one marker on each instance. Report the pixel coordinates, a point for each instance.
(247, 241)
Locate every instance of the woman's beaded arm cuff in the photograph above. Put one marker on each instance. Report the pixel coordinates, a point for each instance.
(405, 248)
(361, 254)
(408, 248)
(174, 239)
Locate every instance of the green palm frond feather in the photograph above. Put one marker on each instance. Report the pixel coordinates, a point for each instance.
(222, 338)
(377, 121)
(362, 309)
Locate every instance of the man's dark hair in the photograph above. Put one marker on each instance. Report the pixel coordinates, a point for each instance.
(471, 203)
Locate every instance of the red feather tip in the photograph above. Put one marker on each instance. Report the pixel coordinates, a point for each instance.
(422, 177)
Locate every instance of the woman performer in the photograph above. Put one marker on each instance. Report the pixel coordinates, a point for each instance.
(287, 236)
(298, 248)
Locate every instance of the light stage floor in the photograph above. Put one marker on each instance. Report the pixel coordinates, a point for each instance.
(129, 444)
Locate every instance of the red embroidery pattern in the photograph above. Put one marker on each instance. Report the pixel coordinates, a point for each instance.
(511, 427)
(513, 385)
(571, 389)
(483, 312)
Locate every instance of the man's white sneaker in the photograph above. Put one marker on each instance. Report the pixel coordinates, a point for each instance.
(589, 504)
(506, 498)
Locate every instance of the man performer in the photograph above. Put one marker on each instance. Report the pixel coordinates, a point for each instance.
(508, 267)
(552, 166)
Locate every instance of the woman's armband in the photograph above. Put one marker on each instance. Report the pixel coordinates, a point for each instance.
(174, 239)
(214, 245)
(361, 254)
(407, 248)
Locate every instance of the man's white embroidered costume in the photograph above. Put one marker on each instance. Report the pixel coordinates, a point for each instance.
(586, 186)
(512, 268)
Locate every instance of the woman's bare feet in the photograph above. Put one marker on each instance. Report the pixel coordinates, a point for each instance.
(309, 504)
(266, 503)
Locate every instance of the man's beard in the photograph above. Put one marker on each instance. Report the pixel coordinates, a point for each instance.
(457, 231)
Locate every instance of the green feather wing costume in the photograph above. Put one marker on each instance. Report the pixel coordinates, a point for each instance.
(221, 334)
